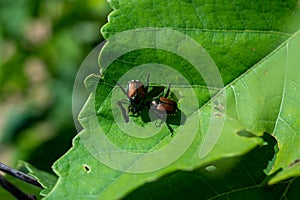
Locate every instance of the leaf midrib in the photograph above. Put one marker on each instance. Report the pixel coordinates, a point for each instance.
(245, 31)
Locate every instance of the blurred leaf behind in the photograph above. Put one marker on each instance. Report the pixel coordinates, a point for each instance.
(42, 45)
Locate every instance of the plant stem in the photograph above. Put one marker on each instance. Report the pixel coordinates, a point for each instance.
(20, 175)
(15, 191)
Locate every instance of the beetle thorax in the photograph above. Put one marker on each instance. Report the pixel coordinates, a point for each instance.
(135, 89)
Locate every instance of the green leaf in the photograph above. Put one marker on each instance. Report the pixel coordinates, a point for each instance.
(286, 128)
(46, 179)
(113, 158)
(236, 34)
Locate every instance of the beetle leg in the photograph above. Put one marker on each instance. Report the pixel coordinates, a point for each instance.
(168, 91)
(125, 116)
(147, 83)
(123, 90)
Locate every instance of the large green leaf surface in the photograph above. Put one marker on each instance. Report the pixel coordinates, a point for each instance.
(261, 96)
(237, 34)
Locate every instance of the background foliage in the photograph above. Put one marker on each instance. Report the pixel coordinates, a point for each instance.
(42, 44)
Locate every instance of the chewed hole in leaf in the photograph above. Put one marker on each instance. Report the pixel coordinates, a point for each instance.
(296, 162)
(86, 168)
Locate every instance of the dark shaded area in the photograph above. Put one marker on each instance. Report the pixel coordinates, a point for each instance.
(48, 152)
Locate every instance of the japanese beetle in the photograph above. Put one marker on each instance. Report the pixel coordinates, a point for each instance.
(136, 93)
(164, 106)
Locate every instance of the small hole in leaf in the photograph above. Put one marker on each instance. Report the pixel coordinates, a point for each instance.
(210, 168)
(295, 162)
(87, 168)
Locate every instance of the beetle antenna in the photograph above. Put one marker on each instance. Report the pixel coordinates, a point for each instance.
(123, 90)
(168, 91)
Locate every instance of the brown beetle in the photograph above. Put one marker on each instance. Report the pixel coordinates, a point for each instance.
(136, 93)
(164, 106)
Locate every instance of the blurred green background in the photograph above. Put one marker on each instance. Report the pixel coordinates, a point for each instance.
(42, 45)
